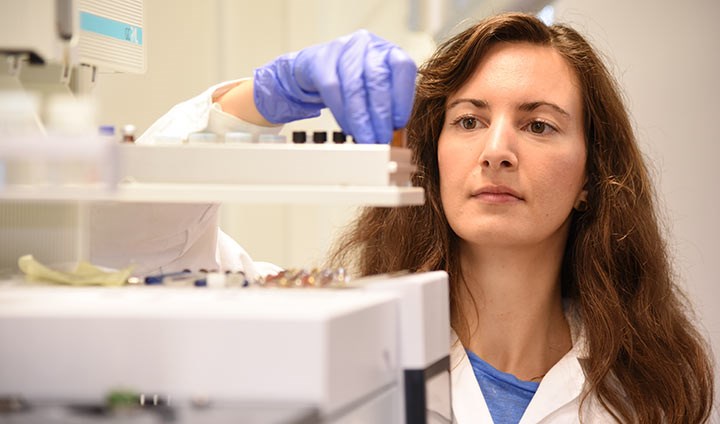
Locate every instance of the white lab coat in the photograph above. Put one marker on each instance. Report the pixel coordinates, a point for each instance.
(557, 400)
(166, 237)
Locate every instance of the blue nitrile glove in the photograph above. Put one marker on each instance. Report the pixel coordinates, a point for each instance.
(368, 84)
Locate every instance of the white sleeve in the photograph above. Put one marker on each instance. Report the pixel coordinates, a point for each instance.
(201, 114)
(163, 237)
(233, 257)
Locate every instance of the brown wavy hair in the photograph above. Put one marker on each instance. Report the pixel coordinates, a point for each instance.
(646, 361)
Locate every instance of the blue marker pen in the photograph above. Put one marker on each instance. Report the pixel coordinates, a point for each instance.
(158, 278)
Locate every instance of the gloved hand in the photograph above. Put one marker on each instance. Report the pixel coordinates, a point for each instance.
(368, 84)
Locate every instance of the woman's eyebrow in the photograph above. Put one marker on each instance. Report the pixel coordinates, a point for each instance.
(480, 104)
(530, 106)
(525, 107)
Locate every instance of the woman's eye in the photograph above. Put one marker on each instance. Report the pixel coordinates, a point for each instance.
(540, 127)
(467, 122)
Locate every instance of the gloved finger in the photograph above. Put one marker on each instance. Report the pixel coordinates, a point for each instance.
(351, 72)
(316, 71)
(404, 72)
(379, 92)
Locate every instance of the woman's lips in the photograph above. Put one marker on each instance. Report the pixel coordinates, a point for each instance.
(497, 194)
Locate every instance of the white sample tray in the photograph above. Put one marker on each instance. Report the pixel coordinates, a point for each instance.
(372, 175)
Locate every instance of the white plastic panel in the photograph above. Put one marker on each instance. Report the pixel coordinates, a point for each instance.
(264, 344)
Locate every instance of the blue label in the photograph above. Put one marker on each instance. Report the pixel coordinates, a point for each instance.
(111, 28)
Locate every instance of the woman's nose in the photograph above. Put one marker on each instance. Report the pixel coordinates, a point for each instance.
(499, 150)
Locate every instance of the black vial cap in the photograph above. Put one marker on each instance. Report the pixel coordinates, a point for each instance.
(299, 136)
(339, 137)
(319, 137)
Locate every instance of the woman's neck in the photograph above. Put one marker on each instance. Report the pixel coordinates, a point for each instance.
(516, 322)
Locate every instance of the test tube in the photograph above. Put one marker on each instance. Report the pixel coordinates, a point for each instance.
(128, 133)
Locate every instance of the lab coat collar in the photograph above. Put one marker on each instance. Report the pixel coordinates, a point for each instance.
(562, 385)
(469, 405)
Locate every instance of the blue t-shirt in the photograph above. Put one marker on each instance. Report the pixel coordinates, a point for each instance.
(507, 397)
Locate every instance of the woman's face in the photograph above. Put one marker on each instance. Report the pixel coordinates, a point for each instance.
(512, 153)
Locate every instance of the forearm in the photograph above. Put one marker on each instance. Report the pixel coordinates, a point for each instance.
(239, 101)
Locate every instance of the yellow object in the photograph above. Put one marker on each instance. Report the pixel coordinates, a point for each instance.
(85, 274)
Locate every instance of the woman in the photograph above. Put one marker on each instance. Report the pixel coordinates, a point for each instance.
(541, 210)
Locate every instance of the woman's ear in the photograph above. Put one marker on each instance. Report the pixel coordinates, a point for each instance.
(581, 203)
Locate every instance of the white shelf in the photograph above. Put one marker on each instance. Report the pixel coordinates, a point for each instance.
(220, 193)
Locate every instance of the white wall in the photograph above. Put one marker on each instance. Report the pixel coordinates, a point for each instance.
(181, 62)
(665, 53)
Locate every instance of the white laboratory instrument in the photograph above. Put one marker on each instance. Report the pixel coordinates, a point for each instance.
(376, 352)
(373, 352)
(53, 46)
